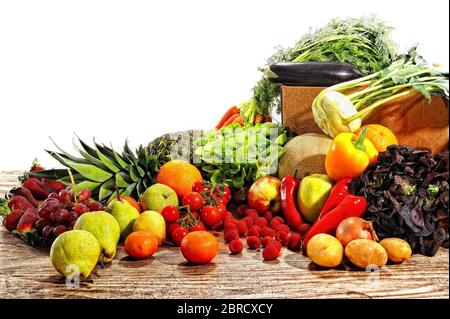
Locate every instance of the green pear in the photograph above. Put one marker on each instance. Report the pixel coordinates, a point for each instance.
(125, 215)
(158, 196)
(75, 248)
(105, 228)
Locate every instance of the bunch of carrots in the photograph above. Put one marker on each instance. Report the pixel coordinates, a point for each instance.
(233, 116)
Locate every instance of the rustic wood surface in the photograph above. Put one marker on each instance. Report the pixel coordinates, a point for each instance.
(26, 272)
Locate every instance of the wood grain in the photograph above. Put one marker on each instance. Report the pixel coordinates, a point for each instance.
(26, 272)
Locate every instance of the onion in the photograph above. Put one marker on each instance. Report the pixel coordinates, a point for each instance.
(355, 228)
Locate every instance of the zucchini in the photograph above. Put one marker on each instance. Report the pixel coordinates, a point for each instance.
(312, 73)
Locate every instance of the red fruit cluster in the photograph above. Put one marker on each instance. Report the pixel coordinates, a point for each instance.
(40, 210)
(263, 231)
(203, 208)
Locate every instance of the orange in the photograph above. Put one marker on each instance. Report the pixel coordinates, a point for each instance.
(131, 201)
(199, 247)
(380, 136)
(141, 244)
(180, 176)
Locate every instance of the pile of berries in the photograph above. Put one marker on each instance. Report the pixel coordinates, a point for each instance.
(262, 231)
(39, 211)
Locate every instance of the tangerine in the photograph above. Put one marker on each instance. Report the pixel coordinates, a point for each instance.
(141, 244)
(380, 136)
(180, 176)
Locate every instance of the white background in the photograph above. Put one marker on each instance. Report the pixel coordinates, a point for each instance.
(139, 69)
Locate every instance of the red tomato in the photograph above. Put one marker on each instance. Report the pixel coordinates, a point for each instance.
(194, 200)
(210, 215)
(171, 227)
(199, 226)
(199, 247)
(197, 187)
(170, 214)
(178, 235)
(222, 192)
(222, 210)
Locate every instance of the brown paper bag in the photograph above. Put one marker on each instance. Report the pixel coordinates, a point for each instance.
(413, 120)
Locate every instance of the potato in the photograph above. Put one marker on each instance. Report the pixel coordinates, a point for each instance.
(397, 249)
(305, 155)
(325, 250)
(366, 252)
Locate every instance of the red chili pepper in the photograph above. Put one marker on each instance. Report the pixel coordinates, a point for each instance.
(338, 193)
(351, 206)
(288, 191)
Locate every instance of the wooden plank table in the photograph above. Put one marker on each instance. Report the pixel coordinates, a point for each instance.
(26, 272)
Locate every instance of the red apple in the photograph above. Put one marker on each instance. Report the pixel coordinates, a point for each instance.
(264, 194)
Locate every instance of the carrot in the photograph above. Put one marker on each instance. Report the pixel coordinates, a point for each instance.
(259, 119)
(239, 120)
(230, 112)
(231, 120)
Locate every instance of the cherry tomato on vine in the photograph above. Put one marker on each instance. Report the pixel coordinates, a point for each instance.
(178, 235)
(222, 192)
(197, 187)
(194, 200)
(171, 227)
(170, 214)
(210, 215)
(222, 210)
(199, 226)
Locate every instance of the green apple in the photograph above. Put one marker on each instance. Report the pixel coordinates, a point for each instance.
(312, 195)
(158, 196)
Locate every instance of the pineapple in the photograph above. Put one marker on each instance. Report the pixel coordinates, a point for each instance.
(107, 173)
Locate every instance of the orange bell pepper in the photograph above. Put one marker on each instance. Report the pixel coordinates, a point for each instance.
(350, 155)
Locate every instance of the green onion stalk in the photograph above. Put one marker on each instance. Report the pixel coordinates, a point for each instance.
(343, 107)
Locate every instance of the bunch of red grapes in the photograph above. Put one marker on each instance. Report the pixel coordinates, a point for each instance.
(59, 212)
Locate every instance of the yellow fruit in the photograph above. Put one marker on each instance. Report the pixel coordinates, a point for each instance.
(152, 222)
(180, 176)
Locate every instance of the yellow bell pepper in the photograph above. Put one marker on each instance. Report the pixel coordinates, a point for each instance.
(350, 155)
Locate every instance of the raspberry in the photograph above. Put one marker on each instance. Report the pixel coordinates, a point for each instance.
(277, 220)
(253, 242)
(268, 215)
(303, 229)
(277, 244)
(254, 231)
(231, 235)
(228, 215)
(228, 225)
(235, 246)
(271, 252)
(240, 210)
(282, 237)
(242, 228)
(248, 220)
(295, 241)
(251, 213)
(282, 227)
(266, 241)
(261, 222)
(267, 231)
